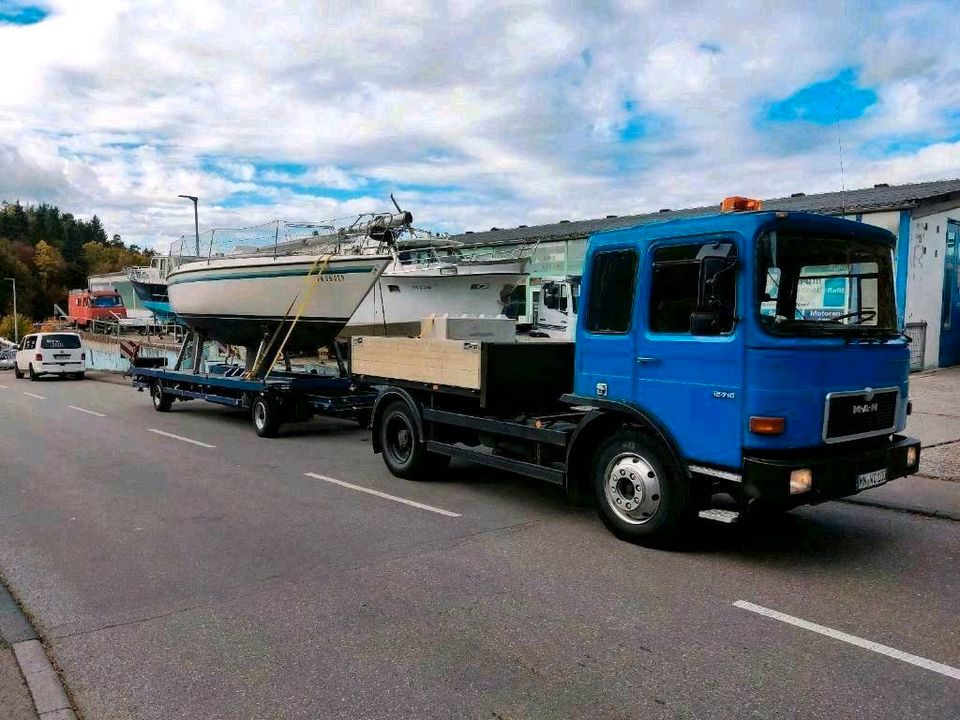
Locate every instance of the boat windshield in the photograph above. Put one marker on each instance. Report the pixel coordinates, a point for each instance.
(816, 285)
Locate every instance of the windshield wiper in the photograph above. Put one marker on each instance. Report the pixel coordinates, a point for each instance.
(861, 316)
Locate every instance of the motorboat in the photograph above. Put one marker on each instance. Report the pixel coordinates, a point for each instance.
(431, 275)
(150, 284)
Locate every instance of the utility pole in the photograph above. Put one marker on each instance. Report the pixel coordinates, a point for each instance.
(196, 219)
(16, 319)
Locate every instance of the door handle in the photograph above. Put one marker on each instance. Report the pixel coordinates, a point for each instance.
(647, 360)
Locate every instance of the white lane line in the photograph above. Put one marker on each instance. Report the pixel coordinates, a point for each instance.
(84, 410)
(853, 640)
(412, 503)
(38, 397)
(180, 437)
(4, 387)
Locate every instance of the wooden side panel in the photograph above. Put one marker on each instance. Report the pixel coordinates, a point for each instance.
(441, 362)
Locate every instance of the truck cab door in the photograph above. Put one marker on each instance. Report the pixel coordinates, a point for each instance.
(605, 347)
(690, 349)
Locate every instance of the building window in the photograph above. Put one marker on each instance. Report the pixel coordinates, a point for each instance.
(678, 289)
(612, 282)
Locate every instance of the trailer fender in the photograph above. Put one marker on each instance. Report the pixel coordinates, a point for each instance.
(606, 417)
(386, 397)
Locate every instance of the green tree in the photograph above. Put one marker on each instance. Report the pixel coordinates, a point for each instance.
(24, 326)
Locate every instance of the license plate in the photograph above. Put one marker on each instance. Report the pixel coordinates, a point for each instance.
(61, 357)
(871, 479)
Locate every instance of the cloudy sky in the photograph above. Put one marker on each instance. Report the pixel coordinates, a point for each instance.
(476, 113)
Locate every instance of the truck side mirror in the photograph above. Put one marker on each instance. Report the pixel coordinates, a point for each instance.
(705, 322)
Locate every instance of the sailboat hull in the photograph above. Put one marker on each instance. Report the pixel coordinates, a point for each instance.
(239, 301)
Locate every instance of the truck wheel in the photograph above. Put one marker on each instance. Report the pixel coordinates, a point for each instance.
(162, 402)
(641, 494)
(266, 417)
(402, 447)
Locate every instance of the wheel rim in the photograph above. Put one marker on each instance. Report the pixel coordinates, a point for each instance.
(156, 395)
(260, 415)
(399, 438)
(632, 488)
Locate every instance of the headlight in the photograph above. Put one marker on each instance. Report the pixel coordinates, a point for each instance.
(801, 481)
(912, 456)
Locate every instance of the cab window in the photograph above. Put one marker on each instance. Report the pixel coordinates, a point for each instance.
(689, 279)
(612, 282)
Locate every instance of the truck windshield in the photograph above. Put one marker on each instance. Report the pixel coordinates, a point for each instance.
(106, 301)
(814, 285)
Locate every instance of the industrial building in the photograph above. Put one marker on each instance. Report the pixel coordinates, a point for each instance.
(925, 217)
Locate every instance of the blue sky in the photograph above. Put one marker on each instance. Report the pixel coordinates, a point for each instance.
(474, 114)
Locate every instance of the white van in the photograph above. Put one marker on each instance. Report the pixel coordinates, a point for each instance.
(58, 353)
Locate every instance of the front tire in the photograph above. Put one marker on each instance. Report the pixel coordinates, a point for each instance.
(404, 452)
(642, 495)
(266, 417)
(162, 402)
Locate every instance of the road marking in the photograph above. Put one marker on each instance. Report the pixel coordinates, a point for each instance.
(180, 437)
(853, 640)
(38, 397)
(84, 410)
(3, 387)
(412, 503)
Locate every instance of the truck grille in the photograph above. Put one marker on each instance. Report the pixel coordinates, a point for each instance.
(852, 415)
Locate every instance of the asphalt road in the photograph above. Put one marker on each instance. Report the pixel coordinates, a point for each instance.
(176, 580)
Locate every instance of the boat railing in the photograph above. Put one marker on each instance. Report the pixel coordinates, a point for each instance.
(284, 237)
(459, 254)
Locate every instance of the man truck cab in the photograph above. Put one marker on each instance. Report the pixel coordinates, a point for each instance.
(755, 354)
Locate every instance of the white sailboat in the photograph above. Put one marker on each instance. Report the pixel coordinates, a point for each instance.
(311, 281)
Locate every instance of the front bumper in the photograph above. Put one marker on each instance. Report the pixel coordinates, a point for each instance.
(834, 474)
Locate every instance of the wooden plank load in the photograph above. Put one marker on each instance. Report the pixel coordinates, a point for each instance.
(475, 356)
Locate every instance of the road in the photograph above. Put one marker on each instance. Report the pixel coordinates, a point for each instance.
(217, 580)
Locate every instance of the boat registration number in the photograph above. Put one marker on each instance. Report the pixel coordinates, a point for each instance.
(871, 479)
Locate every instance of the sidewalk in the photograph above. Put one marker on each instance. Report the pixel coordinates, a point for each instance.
(935, 490)
(15, 702)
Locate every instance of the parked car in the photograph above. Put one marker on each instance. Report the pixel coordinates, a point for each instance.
(58, 353)
(8, 357)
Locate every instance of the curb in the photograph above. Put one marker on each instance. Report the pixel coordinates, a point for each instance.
(46, 688)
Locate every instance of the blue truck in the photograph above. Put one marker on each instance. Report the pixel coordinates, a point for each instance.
(752, 354)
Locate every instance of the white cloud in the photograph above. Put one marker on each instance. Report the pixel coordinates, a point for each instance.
(509, 110)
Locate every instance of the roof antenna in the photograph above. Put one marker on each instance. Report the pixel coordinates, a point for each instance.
(843, 185)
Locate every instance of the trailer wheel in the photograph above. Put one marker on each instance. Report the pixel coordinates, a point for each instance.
(641, 494)
(266, 417)
(403, 451)
(162, 402)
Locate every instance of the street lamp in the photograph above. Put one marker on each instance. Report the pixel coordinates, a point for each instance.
(196, 219)
(16, 329)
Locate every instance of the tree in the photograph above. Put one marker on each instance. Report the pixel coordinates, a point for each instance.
(50, 264)
(24, 326)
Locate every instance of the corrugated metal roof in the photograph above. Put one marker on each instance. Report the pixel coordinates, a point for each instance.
(881, 197)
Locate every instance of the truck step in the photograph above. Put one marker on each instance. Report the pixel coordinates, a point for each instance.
(719, 515)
